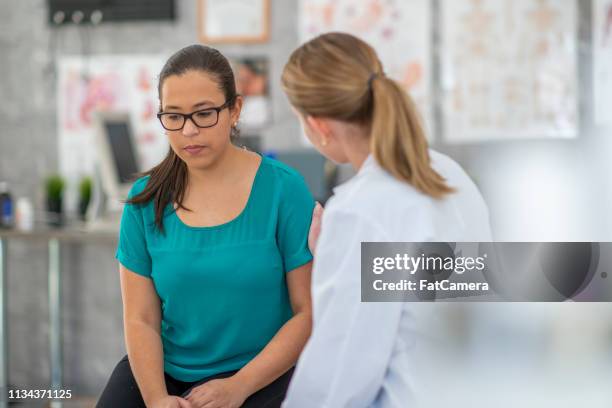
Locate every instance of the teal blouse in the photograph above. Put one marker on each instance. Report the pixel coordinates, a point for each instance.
(222, 288)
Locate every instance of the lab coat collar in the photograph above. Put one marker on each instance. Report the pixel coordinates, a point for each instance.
(368, 165)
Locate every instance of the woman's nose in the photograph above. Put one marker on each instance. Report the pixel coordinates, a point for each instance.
(190, 129)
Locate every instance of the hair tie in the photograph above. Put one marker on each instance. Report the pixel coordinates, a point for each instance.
(372, 77)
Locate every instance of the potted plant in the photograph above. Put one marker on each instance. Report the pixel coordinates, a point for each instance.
(54, 186)
(84, 196)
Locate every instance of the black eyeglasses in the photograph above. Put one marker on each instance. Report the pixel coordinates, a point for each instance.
(204, 118)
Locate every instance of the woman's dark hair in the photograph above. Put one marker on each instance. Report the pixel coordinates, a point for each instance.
(168, 179)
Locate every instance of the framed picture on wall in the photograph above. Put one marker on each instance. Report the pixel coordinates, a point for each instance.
(252, 82)
(233, 21)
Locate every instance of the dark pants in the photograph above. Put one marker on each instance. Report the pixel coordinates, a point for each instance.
(122, 390)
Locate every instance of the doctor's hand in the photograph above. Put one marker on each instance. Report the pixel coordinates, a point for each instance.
(221, 393)
(315, 227)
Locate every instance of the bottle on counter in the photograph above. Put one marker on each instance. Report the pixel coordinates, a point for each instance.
(6, 207)
(24, 215)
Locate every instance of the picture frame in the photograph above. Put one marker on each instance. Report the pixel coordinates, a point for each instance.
(233, 21)
(252, 75)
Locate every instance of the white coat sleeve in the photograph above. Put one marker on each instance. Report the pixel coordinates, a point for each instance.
(344, 362)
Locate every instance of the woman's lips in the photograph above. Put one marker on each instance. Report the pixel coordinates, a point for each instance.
(194, 149)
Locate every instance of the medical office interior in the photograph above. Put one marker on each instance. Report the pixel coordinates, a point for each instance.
(518, 92)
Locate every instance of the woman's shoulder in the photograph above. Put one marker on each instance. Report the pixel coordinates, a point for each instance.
(288, 181)
(281, 172)
(279, 167)
(449, 169)
(138, 186)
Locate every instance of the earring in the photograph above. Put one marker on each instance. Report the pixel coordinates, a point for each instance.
(324, 142)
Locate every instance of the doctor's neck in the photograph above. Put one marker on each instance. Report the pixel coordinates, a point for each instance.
(355, 143)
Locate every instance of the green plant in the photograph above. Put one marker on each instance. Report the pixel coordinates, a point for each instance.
(85, 189)
(55, 187)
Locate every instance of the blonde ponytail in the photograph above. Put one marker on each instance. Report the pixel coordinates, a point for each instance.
(397, 138)
(337, 75)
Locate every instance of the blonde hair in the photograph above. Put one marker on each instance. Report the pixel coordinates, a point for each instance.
(338, 76)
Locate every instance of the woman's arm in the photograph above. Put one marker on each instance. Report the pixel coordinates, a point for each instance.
(142, 324)
(315, 227)
(282, 352)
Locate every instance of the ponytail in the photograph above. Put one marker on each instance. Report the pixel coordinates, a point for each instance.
(397, 138)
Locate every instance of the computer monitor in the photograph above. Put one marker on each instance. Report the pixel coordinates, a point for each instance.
(117, 157)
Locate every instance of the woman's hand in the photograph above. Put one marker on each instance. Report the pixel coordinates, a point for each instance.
(315, 227)
(171, 401)
(221, 393)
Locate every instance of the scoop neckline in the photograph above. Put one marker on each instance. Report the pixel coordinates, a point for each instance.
(236, 218)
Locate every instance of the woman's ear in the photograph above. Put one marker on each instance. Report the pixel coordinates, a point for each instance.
(235, 110)
(321, 127)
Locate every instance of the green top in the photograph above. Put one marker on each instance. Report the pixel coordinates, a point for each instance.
(222, 288)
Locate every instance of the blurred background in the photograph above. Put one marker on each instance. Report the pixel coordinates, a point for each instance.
(519, 92)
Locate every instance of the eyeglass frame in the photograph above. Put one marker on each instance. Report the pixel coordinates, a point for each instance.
(189, 116)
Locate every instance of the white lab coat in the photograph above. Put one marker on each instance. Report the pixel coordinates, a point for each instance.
(366, 354)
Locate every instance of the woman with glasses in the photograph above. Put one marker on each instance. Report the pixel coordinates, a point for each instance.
(214, 262)
(366, 354)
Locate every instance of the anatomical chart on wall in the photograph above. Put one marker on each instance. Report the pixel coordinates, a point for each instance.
(509, 69)
(399, 30)
(602, 58)
(108, 84)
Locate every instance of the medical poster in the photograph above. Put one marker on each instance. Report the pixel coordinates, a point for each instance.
(399, 30)
(602, 58)
(115, 84)
(509, 69)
